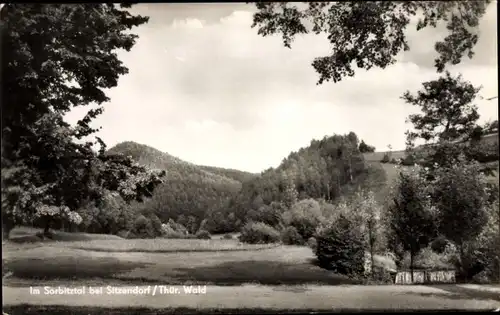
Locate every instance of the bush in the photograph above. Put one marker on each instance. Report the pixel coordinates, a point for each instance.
(123, 233)
(381, 276)
(227, 237)
(428, 259)
(341, 247)
(290, 236)
(305, 216)
(312, 243)
(439, 244)
(258, 233)
(408, 160)
(385, 158)
(203, 235)
(394, 161)
(143, 227)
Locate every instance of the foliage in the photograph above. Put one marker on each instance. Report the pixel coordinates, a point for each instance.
(381, 276)
(370, 213)
(372, 34)
(227, 237)
(365, 148)
(290, 236)
(447, 110)
(320, 171)
(203, 235)
(465, 215)
(408, 160)
(189, 190)
(411, 215)
(312, 243)
(304, 216)
(386, 158)
(143, 227)
(55, 62)
(258, 233)
(439, 244)
(429, 259)
(341, 247)
(460, 196)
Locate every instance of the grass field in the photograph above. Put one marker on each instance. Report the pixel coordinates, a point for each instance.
(221, 262)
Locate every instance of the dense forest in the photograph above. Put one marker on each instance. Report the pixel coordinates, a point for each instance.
(222, 200)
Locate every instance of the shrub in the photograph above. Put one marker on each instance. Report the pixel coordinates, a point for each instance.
(203, 235)
(394, 161)
(439, 244)
(123, 233)
(131, 235)
(305, 216)
(290, 236)
(385, 158)
(341, 247)
(227, 237)
(258, 233)
(312, 243)
(408, 160)
(429, 259)
(381, 276)
(143, 228)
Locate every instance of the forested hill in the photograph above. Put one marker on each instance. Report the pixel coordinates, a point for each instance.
(189, 189)
(327, 169)
(177, 168)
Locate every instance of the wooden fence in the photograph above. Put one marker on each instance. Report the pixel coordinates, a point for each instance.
(425, 277)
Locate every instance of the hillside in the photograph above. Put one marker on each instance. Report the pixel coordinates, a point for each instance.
(189, 189)
(327, 169)
(489, 140)
(177, 169)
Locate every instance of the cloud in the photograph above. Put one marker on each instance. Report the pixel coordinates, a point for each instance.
(205, 87)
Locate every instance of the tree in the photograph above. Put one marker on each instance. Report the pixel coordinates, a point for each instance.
(411, 218)
(448, 124)
(370, 211)
(56, 57)
(447, 110)
(460, 195)
(372, 34)
(191, 224)
(365, 148)
(340, 246)
(305, 216)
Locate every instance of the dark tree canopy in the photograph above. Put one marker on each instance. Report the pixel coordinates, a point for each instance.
(56, 57)
(448, 112)
(372, 33)
(365, 148)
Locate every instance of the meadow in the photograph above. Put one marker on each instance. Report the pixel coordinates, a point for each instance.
(174, 261)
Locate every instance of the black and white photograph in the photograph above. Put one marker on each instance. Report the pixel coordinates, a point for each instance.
(249, 157)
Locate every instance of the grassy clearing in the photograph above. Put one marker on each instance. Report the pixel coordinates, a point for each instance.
(160, 245)
(25, 234)
(60, 264)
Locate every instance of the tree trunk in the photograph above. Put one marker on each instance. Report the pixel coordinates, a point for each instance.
(463, 263)
(350, 170)
(46, 230)
(5, 232)
(412, 254)
(370, 234)
(328, 191)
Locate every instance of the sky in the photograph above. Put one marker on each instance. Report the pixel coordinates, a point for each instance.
(205, 87)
